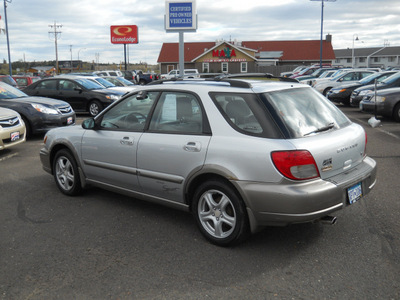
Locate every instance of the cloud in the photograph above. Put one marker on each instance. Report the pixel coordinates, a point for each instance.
(86, 25)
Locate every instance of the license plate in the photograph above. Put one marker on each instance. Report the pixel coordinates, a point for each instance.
(14, 136)
(354, 193)
(70, 120)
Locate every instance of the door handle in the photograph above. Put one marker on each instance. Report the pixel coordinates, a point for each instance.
(192, 147)
(126, 140)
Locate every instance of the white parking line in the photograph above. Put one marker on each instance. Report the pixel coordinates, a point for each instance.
(9, 156)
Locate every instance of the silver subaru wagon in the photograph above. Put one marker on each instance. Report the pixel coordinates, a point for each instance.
(238, 153)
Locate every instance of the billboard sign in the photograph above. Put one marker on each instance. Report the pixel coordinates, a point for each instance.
(124, 34)
(180, 15)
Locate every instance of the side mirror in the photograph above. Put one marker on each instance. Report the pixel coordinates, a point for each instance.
(88, 124)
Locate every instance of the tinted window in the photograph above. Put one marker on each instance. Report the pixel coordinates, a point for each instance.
(47, 85)
(304, 110)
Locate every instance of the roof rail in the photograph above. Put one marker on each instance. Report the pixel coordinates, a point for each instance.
(232, 79)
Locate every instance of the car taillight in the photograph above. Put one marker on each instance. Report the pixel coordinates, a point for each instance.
(296, 165)
(151, 76)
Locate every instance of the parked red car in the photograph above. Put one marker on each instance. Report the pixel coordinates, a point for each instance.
(24, 81)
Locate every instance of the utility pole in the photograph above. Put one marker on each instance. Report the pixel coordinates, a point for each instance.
(8, 41)
(56, 35)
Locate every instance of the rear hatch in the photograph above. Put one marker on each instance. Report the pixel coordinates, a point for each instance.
(335, 151)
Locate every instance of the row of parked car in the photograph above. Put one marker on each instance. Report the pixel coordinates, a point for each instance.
(372, 90)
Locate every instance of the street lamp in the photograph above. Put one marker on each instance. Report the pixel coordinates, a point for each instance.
(355, 38)
(322, 27)
(79, 51)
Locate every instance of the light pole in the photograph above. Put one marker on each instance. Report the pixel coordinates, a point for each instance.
(322, 27)
(8, 41)
(355, 38)
(78, 56)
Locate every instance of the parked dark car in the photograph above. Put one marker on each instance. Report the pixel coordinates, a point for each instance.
(386, 103)
(39, 114)
(342, 93)
(83, 94)
(366, 92)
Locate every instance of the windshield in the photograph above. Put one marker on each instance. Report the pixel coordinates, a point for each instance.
(391, 79)
(90, 85)
(126, 82)
(304, 111)
(9, 92)
(105, 82)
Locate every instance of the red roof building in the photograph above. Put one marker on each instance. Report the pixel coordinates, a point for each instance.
(243, 57)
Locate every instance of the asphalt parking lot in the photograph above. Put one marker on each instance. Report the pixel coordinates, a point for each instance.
(106, 246)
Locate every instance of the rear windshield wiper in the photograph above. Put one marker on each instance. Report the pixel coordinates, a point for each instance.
(321, 129)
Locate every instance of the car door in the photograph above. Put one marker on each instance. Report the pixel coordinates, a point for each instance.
(109, 150)
(174, 146)
(45, 88)
(71, 92)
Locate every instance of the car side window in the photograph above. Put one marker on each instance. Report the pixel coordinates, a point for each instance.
(129, 114)
(67, 85)
(177, 113)
(238, 113)
(47, 85)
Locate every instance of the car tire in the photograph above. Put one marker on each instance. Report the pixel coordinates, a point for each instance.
(220, 213)
(66, 174)
(325, 92)
(95, 108)
(396, 112)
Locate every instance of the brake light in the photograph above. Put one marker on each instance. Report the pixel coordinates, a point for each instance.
(296, 165)
(151, 76)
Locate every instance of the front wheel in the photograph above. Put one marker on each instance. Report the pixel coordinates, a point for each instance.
(220, 213)
(396, 112)
(66, 174)
(94, 108)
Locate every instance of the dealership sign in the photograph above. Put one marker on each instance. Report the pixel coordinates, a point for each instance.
(180, 15)
(124, 34)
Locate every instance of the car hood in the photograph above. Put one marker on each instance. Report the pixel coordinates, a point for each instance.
(7, 113)
(109, 92)
(349, 85)
(389, 91)
(43, 100)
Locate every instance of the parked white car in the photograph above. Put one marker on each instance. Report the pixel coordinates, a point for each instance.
(324, 85)
(187, 73)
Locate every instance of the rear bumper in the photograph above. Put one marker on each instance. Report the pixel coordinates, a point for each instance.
(291, 202)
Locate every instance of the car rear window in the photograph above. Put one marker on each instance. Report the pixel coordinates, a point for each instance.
(303, 111)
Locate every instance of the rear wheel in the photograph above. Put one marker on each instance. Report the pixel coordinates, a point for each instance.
(94, 108)
(325, 92)
(220, 213)
(66, 174)
(396, 112)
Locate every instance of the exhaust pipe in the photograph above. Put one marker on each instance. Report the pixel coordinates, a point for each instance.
(329, 220)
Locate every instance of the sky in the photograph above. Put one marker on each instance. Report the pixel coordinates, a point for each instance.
(85, 31)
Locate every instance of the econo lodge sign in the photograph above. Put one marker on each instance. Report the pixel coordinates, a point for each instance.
(124, 34)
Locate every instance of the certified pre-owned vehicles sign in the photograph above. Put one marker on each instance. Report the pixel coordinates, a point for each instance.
(124, 34)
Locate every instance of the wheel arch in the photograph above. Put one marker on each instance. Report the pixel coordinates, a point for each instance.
(226, 177)
(62, 146)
